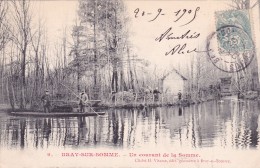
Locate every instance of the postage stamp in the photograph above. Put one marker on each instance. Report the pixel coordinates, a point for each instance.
(231, 48)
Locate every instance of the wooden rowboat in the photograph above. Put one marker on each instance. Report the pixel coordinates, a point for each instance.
(56, 114)
(75, 103)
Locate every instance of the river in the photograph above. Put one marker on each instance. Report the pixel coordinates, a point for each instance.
(227, 125)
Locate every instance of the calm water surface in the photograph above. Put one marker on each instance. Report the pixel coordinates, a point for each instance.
(231, 125)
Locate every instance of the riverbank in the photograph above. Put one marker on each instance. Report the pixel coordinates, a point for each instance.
(119, 105)
(103, 105)
(183, 103)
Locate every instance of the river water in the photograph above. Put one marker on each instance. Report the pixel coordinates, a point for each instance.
(227, 125)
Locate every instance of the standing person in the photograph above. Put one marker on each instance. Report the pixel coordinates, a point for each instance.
(113, 96)
(179, 95)
(46, 99)
(156, 93)
(146, 95)
(83, 99)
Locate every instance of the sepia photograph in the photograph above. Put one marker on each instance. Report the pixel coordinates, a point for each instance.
(129, 83)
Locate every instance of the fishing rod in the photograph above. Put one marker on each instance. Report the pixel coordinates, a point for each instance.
(78, 97)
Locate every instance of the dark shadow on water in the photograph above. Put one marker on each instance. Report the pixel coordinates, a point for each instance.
(180, 111)
(22, 132)
(254, 126)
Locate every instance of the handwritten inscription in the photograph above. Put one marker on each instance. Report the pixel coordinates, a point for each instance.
(176, 36)
(168, 35)
(188, 14)
(179, 48)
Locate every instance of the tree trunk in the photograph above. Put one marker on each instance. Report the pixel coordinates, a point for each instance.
(78, 79)
(130, 71)
(96, 90)
(11, 93)
(115, 80)
(23, 82)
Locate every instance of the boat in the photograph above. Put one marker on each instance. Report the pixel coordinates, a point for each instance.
(56, 114)
(73, 102)
(69, 106)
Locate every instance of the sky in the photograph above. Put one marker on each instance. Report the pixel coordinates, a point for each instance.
(60, 14)
(56, 15)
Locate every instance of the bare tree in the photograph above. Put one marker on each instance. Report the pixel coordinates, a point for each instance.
(4, 37)
(251, 73)
(36, 40)
(4, 27)
(243, 4)
(22, 19)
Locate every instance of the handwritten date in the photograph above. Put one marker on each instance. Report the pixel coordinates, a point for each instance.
(187, 15)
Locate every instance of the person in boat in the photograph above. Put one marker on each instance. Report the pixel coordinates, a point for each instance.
(83, 100)
(46, 99)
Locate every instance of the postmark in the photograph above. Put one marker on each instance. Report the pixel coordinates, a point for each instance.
(231, 48)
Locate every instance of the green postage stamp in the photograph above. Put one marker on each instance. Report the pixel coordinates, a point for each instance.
(231, 48)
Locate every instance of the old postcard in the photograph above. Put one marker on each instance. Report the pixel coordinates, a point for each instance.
(129, 83)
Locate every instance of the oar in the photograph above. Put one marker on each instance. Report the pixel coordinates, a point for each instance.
(78, 97)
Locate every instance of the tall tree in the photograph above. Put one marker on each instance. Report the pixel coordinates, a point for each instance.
(251, 73)
(4, 38)
(22, 19)
(37, 42)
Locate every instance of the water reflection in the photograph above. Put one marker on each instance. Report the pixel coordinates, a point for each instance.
(229, 124)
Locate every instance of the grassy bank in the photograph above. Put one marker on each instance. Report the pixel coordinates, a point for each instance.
(4, 107)
(105, 104)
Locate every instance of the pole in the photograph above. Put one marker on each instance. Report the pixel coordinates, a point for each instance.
(78, 97)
